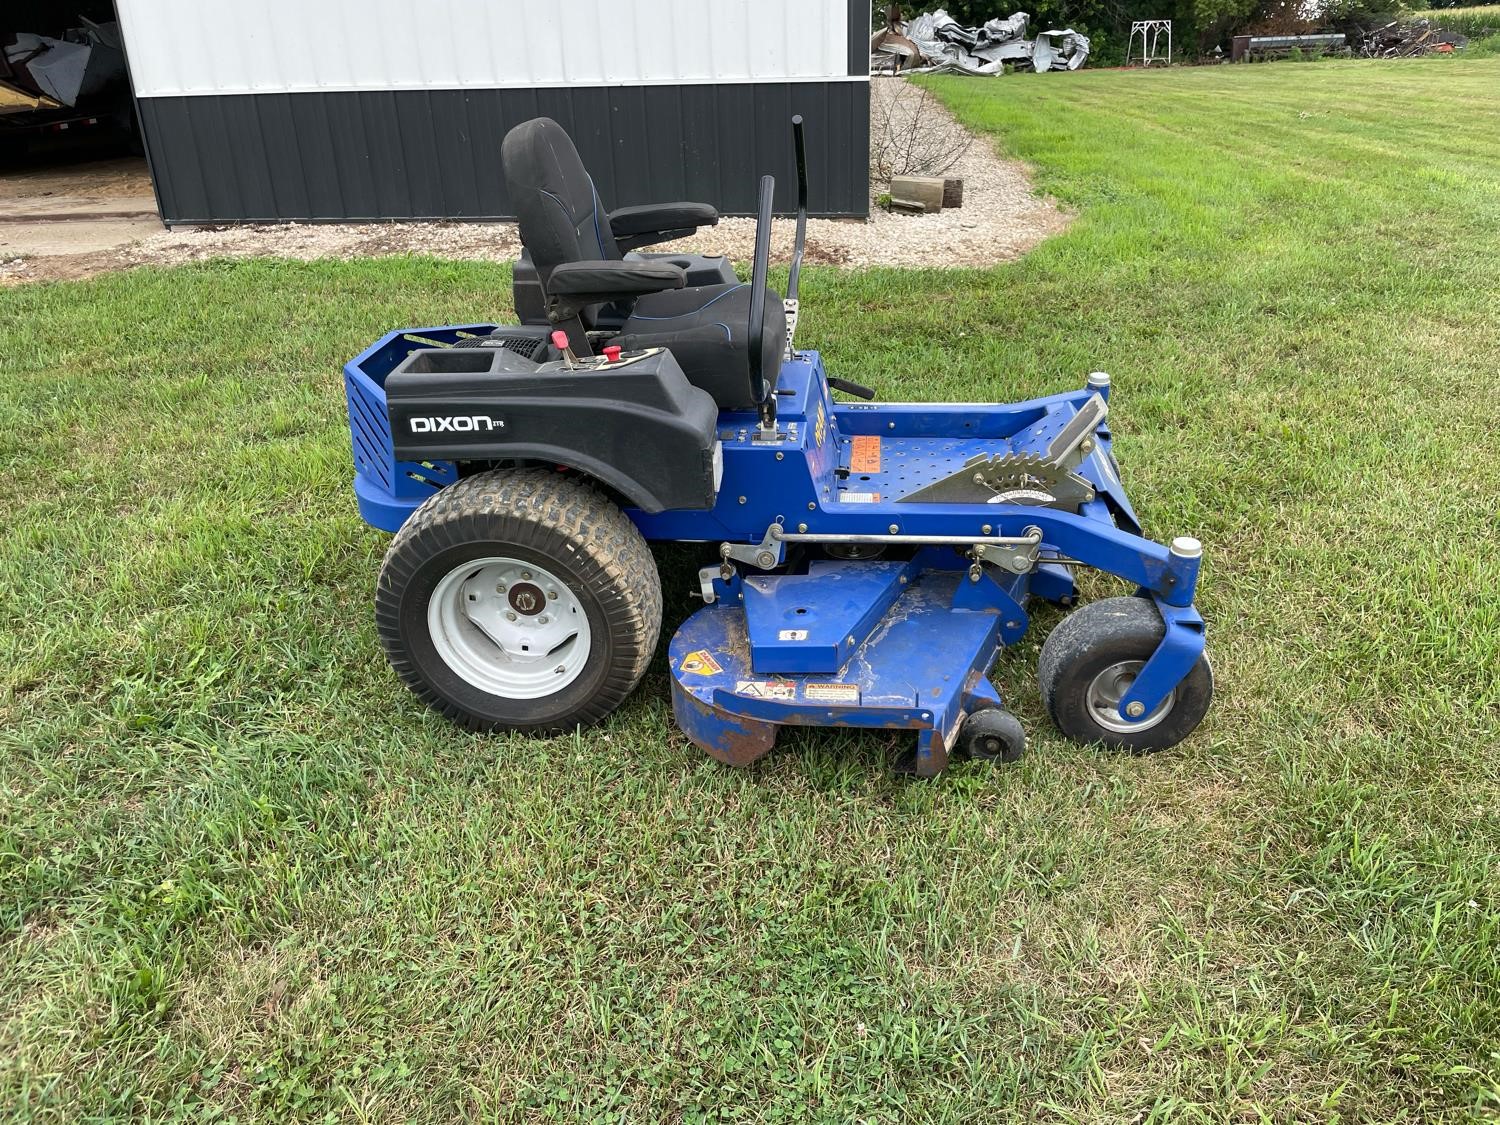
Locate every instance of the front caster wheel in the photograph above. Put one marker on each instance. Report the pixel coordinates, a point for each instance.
(992, 735)
(1091, 659)
(519, 600)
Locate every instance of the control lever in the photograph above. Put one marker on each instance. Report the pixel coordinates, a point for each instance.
(560, 342)
(858, 390)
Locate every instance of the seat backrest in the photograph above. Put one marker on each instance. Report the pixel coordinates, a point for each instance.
(560, 215)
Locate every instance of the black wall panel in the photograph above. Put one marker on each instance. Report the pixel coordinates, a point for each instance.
(435, 154)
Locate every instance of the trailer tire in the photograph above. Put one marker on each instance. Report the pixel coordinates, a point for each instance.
(519, 599)
(1091, 657)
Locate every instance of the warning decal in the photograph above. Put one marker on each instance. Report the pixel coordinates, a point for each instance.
(864, 454)
(701, 663)
(766, 689)
(859, 497)
(832, 693)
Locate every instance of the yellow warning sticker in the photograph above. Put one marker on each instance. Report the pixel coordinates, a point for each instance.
(701, 663)
(820, 426)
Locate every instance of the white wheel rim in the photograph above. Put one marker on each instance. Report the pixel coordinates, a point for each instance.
(509, 628)
(1109, 687)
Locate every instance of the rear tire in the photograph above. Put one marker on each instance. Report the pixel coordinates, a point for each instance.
(1091, 659)
(519, 600)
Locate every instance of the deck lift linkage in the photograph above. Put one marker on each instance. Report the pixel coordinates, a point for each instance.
(871, 559)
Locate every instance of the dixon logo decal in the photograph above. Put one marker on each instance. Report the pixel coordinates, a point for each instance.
(465, 423)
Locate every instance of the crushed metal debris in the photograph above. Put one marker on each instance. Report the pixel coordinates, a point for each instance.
(936, 43)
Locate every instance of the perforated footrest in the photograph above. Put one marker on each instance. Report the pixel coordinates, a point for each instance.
(1027, 477)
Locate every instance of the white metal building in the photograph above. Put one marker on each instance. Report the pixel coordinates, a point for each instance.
(394, 109)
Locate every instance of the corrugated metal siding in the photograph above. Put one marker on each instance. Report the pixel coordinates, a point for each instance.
(209, 47)
(429, 154)
(859, 36)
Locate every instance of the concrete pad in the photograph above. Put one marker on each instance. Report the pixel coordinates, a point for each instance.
(76, 208)
(78, 236)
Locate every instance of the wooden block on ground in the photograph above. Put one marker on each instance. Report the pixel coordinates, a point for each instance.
(953, 192)
(925, 190)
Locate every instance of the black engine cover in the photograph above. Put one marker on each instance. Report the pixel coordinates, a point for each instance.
(637, 425)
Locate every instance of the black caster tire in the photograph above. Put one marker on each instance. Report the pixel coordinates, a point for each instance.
(1090, 660)
(992, 735)
(519, 599)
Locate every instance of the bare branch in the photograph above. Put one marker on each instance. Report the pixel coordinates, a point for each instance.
(910, 133)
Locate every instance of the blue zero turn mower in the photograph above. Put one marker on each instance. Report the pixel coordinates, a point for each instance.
(869, 560)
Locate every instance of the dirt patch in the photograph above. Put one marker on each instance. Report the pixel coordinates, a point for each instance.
(1002, 217)
(111, 185)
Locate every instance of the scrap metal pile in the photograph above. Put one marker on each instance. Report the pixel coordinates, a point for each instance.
(936, 43)
(1405, 39)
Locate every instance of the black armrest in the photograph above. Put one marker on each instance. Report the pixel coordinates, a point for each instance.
(573, 286)
(606, 281)
(650, 223)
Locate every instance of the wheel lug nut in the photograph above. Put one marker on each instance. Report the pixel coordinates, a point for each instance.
(509, 616)
(526, 574)
(552, 595)
(542, 620)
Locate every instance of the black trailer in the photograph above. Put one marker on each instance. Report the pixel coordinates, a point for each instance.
(63, 78)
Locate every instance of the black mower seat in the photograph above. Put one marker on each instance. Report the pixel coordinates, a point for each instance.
(705, 329)
(576, 248)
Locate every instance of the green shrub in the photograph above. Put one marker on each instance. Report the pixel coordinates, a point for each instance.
(1486, 48)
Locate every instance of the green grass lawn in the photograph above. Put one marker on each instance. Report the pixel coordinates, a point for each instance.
(243, 874)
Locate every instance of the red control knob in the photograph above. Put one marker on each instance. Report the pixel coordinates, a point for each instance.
(560, 340)
(612, 353)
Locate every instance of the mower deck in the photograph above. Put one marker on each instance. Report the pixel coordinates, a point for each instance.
(890, 646)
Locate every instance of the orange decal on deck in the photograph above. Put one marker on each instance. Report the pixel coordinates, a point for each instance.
(864, 454)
